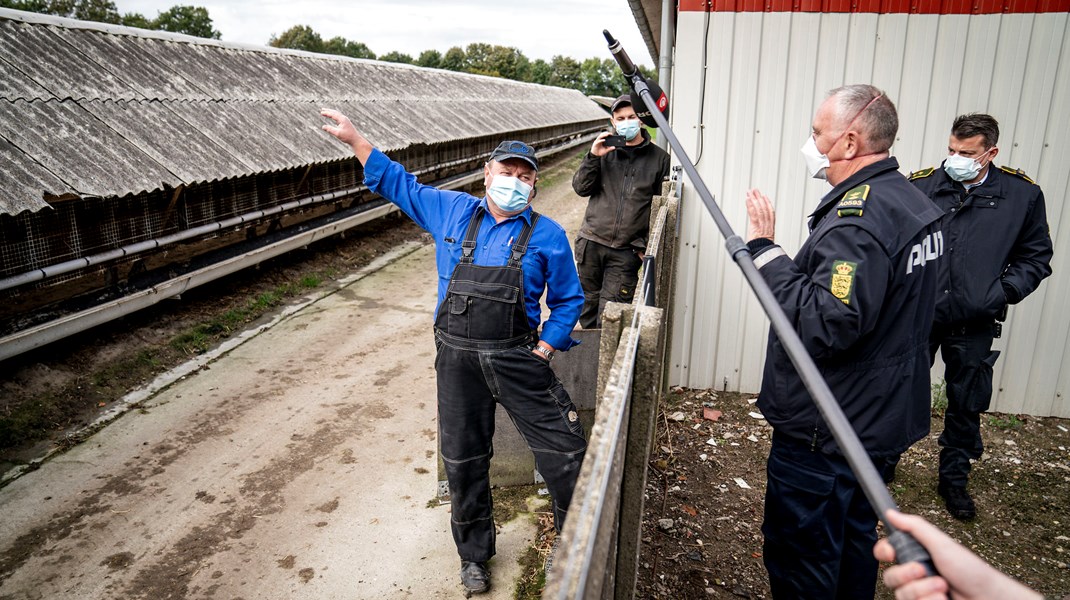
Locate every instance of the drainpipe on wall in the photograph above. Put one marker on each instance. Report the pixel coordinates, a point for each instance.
(665, 58)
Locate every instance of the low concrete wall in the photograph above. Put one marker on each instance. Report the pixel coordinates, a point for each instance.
(600, 550)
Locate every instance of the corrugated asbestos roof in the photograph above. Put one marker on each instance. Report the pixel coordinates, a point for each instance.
(88, 109)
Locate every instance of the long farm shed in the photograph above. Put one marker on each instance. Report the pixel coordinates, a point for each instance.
(117, 142)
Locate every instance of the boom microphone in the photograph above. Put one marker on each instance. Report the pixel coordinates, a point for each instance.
(631, 74)
(626, 65)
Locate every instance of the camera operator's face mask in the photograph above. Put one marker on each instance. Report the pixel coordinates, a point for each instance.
(963, 168)
(629, 128)
(509, 193)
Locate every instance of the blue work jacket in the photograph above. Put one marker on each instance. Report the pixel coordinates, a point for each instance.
(548, 265)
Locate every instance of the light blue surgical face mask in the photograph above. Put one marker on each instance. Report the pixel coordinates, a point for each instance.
(509, 193)
(962, 168)
(628, 128)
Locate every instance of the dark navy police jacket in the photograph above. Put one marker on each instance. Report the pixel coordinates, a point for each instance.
(861, 294)
(996, 238)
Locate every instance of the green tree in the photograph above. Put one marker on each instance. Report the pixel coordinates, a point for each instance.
(396, 57)
(190, 20)
(89, 10)
(36, 6)
(564, 72)
(298, 37)
(540, 72)
(343, 47)
(430, 58)
(508, 62)
(455, 59)
(137, 20)
(61, 8)
(596, 77)
(477, 59)
(101, 11)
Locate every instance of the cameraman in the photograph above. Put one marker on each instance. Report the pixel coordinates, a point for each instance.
(621, 181)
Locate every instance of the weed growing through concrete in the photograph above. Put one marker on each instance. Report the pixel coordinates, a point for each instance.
(1005, 421)
(939, 398)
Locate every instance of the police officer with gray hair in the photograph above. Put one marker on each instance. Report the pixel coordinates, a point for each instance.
(861, 293)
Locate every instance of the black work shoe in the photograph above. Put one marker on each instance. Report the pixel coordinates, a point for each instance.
(474, 577)
(958, 501)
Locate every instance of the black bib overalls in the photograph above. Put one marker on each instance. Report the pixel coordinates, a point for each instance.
(485, 358)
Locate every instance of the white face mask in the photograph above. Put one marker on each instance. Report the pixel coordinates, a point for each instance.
(961, 168)
(816, 163)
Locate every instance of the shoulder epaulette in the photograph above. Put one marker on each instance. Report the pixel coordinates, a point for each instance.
(922, 173)
(1017, 173)
(853, 202)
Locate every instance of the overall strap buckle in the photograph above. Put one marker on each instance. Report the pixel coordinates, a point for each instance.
(521, 246)
(468, 246)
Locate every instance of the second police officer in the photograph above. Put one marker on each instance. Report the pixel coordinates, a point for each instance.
(998, 250)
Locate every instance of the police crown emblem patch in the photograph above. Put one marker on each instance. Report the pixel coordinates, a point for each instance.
(843, 280)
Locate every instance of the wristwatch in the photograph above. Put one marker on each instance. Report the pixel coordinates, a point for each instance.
(548, 353)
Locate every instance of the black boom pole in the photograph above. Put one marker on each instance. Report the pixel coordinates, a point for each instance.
(907, 549)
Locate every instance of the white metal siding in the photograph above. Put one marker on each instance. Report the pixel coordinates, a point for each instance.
(765, 75)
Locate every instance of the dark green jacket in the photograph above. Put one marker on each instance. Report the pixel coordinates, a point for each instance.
(621, 185)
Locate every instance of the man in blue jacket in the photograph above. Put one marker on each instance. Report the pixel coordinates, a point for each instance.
(495, 257)
(996, 223)
(861, 294)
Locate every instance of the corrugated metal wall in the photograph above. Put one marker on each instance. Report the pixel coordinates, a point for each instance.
(743, 111)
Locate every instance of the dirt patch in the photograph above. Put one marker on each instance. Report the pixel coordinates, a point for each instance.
(706, 484)
(118, 561)
(328, 507)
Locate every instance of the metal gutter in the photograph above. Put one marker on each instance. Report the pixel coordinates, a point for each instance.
(665, 61)
(641, 21)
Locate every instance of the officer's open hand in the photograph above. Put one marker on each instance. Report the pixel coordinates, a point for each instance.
(760, 216)
(599, 148)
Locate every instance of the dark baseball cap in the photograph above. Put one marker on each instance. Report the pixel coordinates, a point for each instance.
(623, 100)
(515, 149)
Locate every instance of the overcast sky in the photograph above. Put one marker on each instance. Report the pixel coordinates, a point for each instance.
(539, 28)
